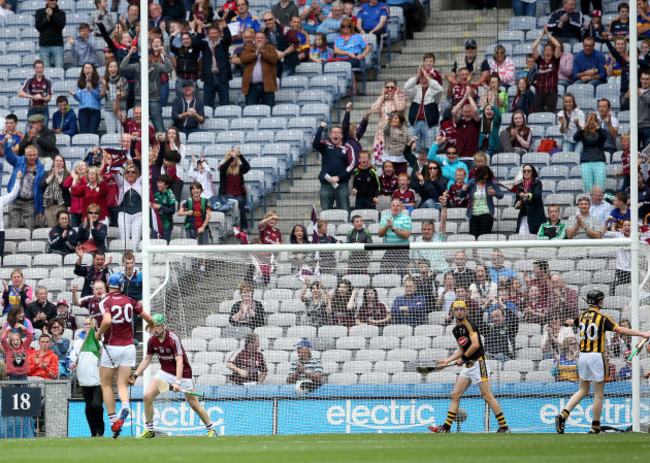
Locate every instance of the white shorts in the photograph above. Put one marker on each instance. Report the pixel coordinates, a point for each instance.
(187, 384)
(121, 356)
(478, 372)
(591, 367)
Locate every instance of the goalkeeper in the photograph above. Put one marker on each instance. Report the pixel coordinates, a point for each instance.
(175, 370)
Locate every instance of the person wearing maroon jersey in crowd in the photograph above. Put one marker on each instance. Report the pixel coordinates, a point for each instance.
(134, 126)
(269, 233)
(468, 125)
(118, 355)
(457, 91)
(175, 370)
(91, 273)
(248, 364)
(548, 68)
(91, 302)
(387, 179)
(404, 193)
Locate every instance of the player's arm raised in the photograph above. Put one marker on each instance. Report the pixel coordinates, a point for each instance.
(146, 361)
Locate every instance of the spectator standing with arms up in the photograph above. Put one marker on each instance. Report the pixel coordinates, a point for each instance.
(28, 172)
(259, 82)
(49, 22)
(424, 113)
(548, 68)
(391, 101)
(338, 163)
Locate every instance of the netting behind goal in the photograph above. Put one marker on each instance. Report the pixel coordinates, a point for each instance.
(369, 379)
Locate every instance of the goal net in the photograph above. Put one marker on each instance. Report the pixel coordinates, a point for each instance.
(370, 318)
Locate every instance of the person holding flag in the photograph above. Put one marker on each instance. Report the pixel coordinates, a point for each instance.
(175, 372)
(83, 359)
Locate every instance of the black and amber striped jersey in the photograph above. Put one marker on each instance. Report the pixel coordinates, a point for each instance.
(593, 327)
(463, 332)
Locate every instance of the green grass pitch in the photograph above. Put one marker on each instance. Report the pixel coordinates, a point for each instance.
(372, 448)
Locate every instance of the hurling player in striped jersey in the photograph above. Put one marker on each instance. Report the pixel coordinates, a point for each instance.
(175, 370)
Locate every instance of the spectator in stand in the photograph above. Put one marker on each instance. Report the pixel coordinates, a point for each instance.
(446, 295)
(554, 229)
(493, 95)
(468, 125)
(285, 41)
(41, 311)
(313, 13)
(372, 18)
(424, 93)
(56, 198)
(620, 346)
(619, 213)
(130, 201)
(425, 283)
(317, 307)
(245, 20)
(60, 344)
(589, 64)
(173, 9)
(358, 260)
(134, 126)
(548, 68)
(84, 47)
(498, 272)
(623, 274)
(247, 311)
(488, 140)
(565, 367)
(456, 90)
(16, 316)
(64, 120)
(197, 215)
(500, 333)
(301, 262)
(342, 305)
(352, 133)
(338, 163)
(303, 38)
(553, 335)
(63, 238)
(480, 211)
(320, 52)
(608, 122)
(200, 172)
(76, 204)
(98, 270)
(387, 179)
(40, 136)
(592, 160)
(38, 89)
(563, 300)
(452, 197)
(113, 85)
(396, 227)
(524, 98)
(92, 232)
(517, 137)
(465, 277)
(327, 258)
(570, 119)
(28, 173)
(101, 14)
(594, 27)
(566, 23)
(524, 7)
(435, 257)
(365, 183)
(351, 47)
(49, 22)
(84, 364)
(231, 181)
(449, 165)
(89, 98)
(411, 308)
(285, 11)
(480, 71)
(165, 204)
(483, 289)
(643, 107)
(306, 369)
(10, 138)
(619, 27)
(186, 60)
(131, 20)
(187, 110)
(247, 364)
(565, 76)
(391, 101)
(404, 193)
(259, 82)
(529, 201)
(503, 66)
(201, 15)
(16, 351)
(396, 136)
(535, 308)
(93, 191)
(331, 26)
(372, 311)
(44, 363)
(584, 225)
(433, 186)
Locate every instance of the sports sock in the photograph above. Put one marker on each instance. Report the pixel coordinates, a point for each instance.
(502, 420)
(149, 425)
(595, 424)
(209, 426)
(451, 416)
(565, 413)
(112, 417)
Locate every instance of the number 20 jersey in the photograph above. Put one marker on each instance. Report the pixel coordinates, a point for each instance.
(593, 326)
(121, 309)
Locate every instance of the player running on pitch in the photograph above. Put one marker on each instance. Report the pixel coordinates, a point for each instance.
(592, 363)
(470, 353)
(118, 354)
(175, 370)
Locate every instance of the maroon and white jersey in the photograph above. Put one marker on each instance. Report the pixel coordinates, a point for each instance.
(121, 309)
(459, 92)
(168, 349)
(33, 86)
(92, 304)
(252, 362)
(449, 131)
(269, 235)
(407, 197)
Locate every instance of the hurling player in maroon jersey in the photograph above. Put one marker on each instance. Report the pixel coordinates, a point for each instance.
(118, 354)
(175, 370)
(475, 370)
